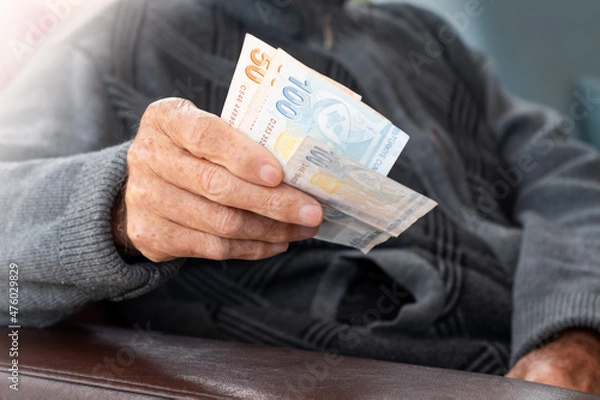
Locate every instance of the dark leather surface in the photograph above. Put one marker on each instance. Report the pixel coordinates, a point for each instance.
(94, 362)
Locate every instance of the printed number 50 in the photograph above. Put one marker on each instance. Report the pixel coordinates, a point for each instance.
(254, 71)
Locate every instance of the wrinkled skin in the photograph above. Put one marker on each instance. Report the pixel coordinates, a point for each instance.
(571, 361)
(198, 188)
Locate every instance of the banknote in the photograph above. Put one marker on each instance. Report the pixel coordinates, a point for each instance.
(330, 145)
(299, 103)
(342, 229)
(264, 90)
(354, 191)
(256, 59)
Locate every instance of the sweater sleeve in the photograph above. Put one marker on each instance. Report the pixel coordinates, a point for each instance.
(62, 163)
(554, 200)
(557, 204)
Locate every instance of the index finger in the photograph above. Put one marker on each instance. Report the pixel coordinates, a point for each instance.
(207, 136)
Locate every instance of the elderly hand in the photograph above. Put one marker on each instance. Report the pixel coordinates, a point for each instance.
(571, 361)
(199, 188)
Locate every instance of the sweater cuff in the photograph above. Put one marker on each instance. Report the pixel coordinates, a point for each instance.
(557, 284)
(88, 255)
(538, 322)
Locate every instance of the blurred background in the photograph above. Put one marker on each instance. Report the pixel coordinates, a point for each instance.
(25, 25)
(544, 50)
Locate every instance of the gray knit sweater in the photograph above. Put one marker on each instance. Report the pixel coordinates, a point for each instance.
(509, 258)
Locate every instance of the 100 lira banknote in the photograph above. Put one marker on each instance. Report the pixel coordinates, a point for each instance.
(298, 103)
(330, 144)
(367, 205)
(257, 58)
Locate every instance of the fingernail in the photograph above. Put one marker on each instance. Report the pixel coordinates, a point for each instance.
(310, 215)
(308, 233)
(270, 175)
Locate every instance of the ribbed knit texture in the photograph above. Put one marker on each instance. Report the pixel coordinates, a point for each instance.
(510, 257)
(86, 237)
(62, 166)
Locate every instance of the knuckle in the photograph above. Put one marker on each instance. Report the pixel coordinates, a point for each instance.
(179, 103)
(137, 233)
(133, 154)
(189, 249)
(215, 182)
(160, 113)
(141, 233)
(166, 105)
(145, 239)
(257, 251)
(228, 222)
(286, 235)
(273, 231)
(140, 152)
(155, 107)
(220, 250)
(136, 195)
(153, 113)
(201, 134)
(278, 203)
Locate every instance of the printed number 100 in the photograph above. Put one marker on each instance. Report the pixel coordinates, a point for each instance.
(296, 96)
